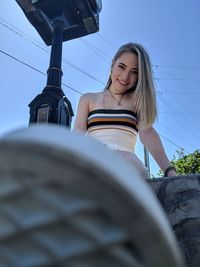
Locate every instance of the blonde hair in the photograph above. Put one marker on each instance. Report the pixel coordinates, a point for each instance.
(143, 95)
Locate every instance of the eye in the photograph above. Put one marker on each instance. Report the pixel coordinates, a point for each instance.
(121, 66)
(135, 71)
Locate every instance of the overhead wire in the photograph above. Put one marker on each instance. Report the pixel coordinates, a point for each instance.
(185, 127)
(22, 62)
(93, 47)
(96, 50)
(37, 44)
(176, 79)
(180, 147)
(106, 40)
(178, 92)
(175, 133)
(153, 65)
(33, 68)
(175, 67)
(171, 130)
(184, 107)
(185, 113)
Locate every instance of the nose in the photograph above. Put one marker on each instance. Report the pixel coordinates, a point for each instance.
(125, 76)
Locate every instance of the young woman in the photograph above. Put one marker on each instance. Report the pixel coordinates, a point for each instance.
(126, 108)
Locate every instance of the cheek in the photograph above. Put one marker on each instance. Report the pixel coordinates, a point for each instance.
(134, 80)
(114, 74)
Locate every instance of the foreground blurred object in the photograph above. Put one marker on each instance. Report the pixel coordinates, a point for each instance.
(63, 204)
(57, 21)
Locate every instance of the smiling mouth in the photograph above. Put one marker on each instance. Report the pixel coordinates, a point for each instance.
(123, 83)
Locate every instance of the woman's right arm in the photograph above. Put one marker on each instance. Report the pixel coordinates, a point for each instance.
(80, 124)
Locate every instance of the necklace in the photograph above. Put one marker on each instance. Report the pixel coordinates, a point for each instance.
(118, 101)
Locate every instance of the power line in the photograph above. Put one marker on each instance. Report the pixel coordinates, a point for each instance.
(82, 71)
(37, 44)
(175, 133)
(177, 79)
(173, 143)
(28, 65)
(106, 40)
(174, 67)
(22, 62)
(11, 29)
(153, 65)
(177, 99)
(179, 113)
(95, 48)
(97, 51)
(178, 92)
(186, 128)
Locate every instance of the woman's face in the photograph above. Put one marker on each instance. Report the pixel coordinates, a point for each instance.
(124, 73)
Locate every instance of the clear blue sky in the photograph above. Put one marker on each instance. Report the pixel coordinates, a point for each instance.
(168, 29)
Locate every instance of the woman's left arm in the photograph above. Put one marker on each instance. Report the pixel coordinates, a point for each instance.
(151, 140)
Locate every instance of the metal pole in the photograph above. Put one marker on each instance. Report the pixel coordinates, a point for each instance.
(54, 71)
(146, 160)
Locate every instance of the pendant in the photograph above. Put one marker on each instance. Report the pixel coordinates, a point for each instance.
(118, 101)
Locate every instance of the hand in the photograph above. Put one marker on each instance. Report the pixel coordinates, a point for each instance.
(171, 173)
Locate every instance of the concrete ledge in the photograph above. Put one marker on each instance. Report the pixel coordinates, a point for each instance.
(180, 198)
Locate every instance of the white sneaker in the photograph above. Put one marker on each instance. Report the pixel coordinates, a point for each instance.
(66, 200)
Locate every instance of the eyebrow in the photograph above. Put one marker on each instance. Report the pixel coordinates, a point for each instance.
(126, 66)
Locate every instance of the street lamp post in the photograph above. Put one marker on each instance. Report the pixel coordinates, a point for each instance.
(52, 105)
(57, 21)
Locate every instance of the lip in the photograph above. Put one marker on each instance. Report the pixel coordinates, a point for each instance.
(123, 83)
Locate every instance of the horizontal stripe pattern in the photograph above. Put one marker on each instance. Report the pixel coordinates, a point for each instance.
(113, 119)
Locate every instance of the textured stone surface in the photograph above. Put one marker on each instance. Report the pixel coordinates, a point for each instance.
(180, 198)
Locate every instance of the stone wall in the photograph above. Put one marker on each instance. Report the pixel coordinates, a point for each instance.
(180, 198)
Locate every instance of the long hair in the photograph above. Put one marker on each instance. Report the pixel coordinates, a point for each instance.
(143, 95)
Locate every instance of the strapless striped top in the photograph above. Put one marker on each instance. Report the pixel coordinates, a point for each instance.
(115, 128)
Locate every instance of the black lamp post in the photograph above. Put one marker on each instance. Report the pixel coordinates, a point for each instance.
(57, 21)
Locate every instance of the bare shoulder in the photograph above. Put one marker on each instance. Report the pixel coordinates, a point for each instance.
(87, 97)
(91, 99)
(92, 96)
